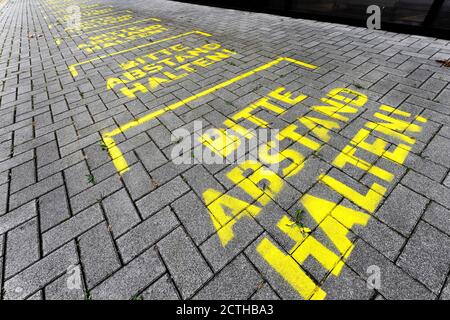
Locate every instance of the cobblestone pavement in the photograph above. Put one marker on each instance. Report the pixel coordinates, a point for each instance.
(350, 199)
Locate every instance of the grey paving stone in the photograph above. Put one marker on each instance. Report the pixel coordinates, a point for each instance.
(348, 286)
(3, 198)
(71, 228)
(18, 216)
(131, 279)
(96, 156)
(34, 143)
(79, 144)
(150, 156)
(194, 216)
(47, 153)
(22, 176)
(64, 288)
(4, 178)
(402, 209)
(77, 178)
(168, 171)
(438, 216)
(276, 281)
(237, 281)
(287, 197)
(186, 265)
(265, 292)
(146, 234)
(5, 148)
(438, 150)
(66, 135)
(39, 295)
(382, 238)
(160, 135)
(395, 283)
(2, 242)
(445, 294)
(1, 273)
(16, 160)
(162, 289)
(199, 179)
(138, 181)
(447, 181)
(426, 256)
(108, 169)
(245, 230)
(428, 188)
(41, 273)
(23, 134)
(34, 191)
(22, 247)
(53, 208)
(161, 197)
(121, 213)
(445, 131)
(60, 165)
(98, 255)
(95, 193)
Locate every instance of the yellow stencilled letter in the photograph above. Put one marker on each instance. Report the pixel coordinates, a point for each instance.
(289, 270)
(353, 97)
(250, 184)
(128, 65)
(112, 82)
(396, 124)
(379, 146)
(246, 113)
(246, 133)
(137, 87)
(325, 213)
(134, 74)
(289, 132)
(319, 127)
(287, 96)
(220, 55)
(278, 156)
(220, 141)
(152, 68)
(217, 203)
(155, 82)
(347, 156)
(327, 258)
(369, 201)
(334, 108)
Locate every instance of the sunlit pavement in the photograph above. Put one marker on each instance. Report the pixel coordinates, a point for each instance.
(349, 199)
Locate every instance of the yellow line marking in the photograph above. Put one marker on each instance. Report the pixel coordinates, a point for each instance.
(74, 72)
(116, 155)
